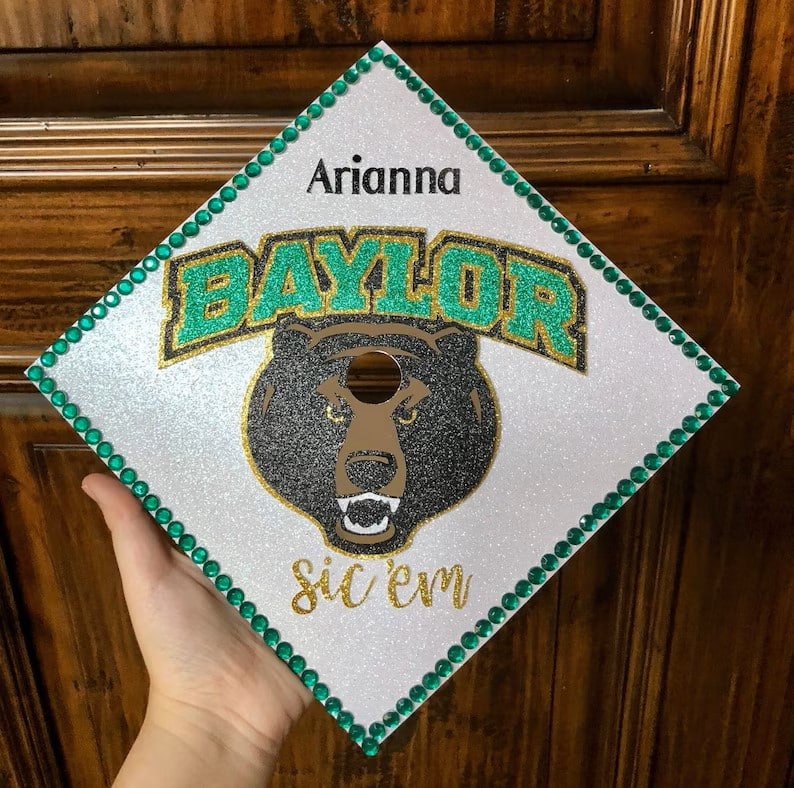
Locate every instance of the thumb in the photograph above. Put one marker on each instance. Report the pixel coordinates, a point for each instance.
(143, 551)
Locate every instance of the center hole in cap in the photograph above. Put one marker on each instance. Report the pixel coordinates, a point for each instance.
(373, 377)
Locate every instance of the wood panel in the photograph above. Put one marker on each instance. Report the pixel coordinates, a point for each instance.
(68, 24)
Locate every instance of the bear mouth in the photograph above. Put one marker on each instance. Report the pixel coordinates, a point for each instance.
(367, 514)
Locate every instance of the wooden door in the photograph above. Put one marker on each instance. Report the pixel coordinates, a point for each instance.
(663, 656)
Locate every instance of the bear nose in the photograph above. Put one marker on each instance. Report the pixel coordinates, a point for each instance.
(370, 471)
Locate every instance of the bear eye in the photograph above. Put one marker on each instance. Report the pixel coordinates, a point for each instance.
(332, 415)
(409, 418)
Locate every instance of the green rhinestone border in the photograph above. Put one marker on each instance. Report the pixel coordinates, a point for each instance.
(457, 654)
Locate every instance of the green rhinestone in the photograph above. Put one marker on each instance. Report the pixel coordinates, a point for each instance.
(92, 437)
(351, 76)
(715, 398)
(363, 65)
(536, 576)
(265, 158)
(572, 236)
(584, 250)
(413, 83)
(575, 536)
(59, 400)
(509, 177)
(690, 349)
(417, 693)
(626, 488)
(637, 298)
(461, 130)
(215, 205)
(497, 165)
(437, 106)
(176, 240)
(128, 476)
(469, 640)
(116, 462)
(391, 719)
(187, 542)
(271, 637)
(74, 334)
(297, 664)
(485, 153)
(259, 623)
(314, 111)
(623, 286)
(283, 650)
(703, 363)
(652, 462)
(650, 311)
(610, 274)
(430, 680)
(473, 142)
(613, 500)
(277, 145)
(547, 213)
(562, 549)
(509, 602)
(369, 746)
(377, 731)
(223, 582)
(81, 423)
(162, 251)
(60, 346)
(228, 194)
(690, 424)
(309, 678)
(111, 299)
(677, 337)
(70, 410)
(425, 95)
(449, 118)
(600, 511)
(327, 100)
(199, 555)
(333, 706)
(320, 691)
(549, 562)
(402, 72)
(253, 169)
(86, 322)
(138, 275)
(559, 225)
(730, 387)
(48, 359)
(357, 733)
(47, 385)
(663, 324)
(203, 217)
(240, 181)
(523, 589)
(678, 437)
(522, 188)
(534, 200)
(391, 61)
(664, 449)
(597, 261)
(100, 310)
(190, 229)
(483, 628)
(444, 668)
(456, 654)
(404, 706)
(235, 596)
(496, 615)
(718, 375)
(151, 502)
(638, 475)
(211, 568)
(175, 529)
(35, 373)
(303, 122)
(125, 287)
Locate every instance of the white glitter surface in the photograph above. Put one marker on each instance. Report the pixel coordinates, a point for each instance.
(566, 437)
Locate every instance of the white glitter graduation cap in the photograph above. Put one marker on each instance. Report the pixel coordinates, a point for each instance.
(377, 535)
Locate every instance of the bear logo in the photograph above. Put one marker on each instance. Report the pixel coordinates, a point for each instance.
(370, 463)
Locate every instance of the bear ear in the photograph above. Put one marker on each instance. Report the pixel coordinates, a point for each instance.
(455, 342)
(291, 338)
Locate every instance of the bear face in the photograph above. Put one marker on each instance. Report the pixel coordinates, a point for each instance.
(370, 472)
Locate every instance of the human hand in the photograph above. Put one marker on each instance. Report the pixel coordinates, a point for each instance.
(220, 701)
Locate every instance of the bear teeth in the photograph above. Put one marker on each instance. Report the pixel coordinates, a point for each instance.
(345, 502)
(375, 528)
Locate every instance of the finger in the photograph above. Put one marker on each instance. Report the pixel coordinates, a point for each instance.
(143, 552)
